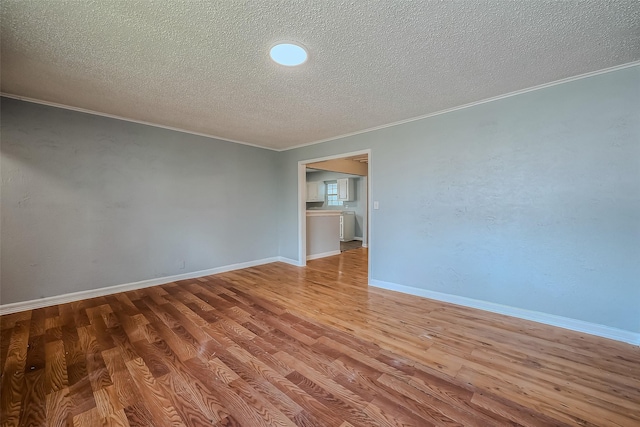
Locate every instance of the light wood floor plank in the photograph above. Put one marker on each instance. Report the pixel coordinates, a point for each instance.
(278, 345)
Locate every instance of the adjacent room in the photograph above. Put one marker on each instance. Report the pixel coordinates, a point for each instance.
(336, 206)
(320, 213)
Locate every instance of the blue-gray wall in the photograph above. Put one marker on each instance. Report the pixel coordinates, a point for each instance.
(532, 201)
(89, 202)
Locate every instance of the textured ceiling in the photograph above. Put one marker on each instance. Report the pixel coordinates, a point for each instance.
(203, 66)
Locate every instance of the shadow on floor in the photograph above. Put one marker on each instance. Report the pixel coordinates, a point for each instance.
(347, 246)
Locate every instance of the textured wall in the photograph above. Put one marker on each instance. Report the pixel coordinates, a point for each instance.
(89, 202)
(532, 201)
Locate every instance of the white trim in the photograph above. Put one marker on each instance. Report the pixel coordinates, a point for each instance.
(306, 144)
(302, 199)
(365, 246)
(108, 290)
(471, 104)
(142, 122)
(302, 214)
(323, 255)
(536, 316)
(337, 156)
(290, 261)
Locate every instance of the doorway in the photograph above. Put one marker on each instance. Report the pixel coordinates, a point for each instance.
(339, 163)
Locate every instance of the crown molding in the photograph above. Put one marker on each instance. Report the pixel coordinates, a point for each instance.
(333, 138)
(141, 122)
(472, 104)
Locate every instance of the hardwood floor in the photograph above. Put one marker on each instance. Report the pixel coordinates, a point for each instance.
(349, 246)
(279, 345)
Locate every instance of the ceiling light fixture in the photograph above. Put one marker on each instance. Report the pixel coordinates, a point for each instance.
(288, 54)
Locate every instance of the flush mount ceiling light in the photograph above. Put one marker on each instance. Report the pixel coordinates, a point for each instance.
(288, 54)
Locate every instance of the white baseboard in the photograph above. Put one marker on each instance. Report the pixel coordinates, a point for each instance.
(364, 245)
(323, 254)
(290, 261)
(536, 316)
(93, 293)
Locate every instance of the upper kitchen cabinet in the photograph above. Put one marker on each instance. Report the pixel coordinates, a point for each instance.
(315, 191)
(346, 191)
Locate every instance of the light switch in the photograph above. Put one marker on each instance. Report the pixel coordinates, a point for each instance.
(376, 205)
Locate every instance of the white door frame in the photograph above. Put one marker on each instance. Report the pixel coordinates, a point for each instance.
(302, 203)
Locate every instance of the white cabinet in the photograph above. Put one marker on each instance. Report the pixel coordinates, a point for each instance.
(346, 191)
(347, 226)
(315, 191)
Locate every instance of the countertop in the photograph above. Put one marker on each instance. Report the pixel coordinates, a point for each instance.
(323, 213)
